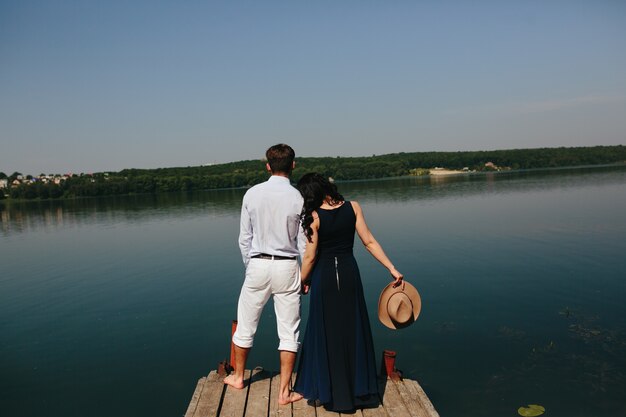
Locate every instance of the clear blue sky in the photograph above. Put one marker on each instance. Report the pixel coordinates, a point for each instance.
(89, 86)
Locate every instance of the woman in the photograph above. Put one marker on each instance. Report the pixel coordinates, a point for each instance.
(337, 366)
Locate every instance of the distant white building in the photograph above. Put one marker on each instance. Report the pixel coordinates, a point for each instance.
(4, 183)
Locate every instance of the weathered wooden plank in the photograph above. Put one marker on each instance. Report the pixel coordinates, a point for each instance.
(302, 409)
(214, 376)
(211, 396)
(234, 402)
(375, 412)
(277, 410)
(392, 401)
(418, 395)
(193, 404)
(411, 400)
(260, 398)
(322, 412)
(259, 394)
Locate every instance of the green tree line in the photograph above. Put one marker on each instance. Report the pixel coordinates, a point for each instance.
(248, 173)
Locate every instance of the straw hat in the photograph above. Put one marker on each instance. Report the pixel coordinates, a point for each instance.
(399, 307)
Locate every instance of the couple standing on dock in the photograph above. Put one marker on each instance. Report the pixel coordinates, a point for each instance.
(279, 224)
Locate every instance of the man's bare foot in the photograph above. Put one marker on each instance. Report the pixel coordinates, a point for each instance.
(234, 381)
(291, 397)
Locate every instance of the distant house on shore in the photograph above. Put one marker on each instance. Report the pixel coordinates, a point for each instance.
(439, 171)
(490, 166)
(4, 183)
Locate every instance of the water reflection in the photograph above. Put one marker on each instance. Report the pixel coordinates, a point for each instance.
(465, 185)
(18, 217)
(23, 216)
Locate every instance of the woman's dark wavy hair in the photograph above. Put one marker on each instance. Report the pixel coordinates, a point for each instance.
(314, 188)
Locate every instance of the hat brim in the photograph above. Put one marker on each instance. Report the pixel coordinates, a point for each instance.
(411, 292)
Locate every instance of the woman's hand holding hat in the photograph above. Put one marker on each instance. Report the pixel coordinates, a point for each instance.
(397, 276)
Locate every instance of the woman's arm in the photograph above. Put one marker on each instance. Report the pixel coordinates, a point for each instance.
(310, 251)
(372, 245)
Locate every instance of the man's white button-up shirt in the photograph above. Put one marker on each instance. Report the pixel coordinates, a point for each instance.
(270, 220)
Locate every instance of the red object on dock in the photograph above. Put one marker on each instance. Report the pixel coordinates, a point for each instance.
(388, 367)
(223, 368)
(232, 345)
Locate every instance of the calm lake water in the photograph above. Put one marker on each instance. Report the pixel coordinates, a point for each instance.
(116, 306)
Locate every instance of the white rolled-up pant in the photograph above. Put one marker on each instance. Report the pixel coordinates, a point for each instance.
(266, 278)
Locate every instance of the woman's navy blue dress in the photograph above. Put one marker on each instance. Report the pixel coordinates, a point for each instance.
(337, 365)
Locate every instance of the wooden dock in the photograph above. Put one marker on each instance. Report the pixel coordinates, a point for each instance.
(212, 398)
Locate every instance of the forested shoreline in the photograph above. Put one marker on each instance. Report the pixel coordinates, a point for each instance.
(251, 172)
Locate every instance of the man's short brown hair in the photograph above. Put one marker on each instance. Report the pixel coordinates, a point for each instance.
(280, 157)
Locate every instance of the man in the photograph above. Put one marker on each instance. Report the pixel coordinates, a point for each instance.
(270, 240)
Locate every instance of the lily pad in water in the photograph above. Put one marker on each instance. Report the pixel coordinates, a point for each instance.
(532, 410)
